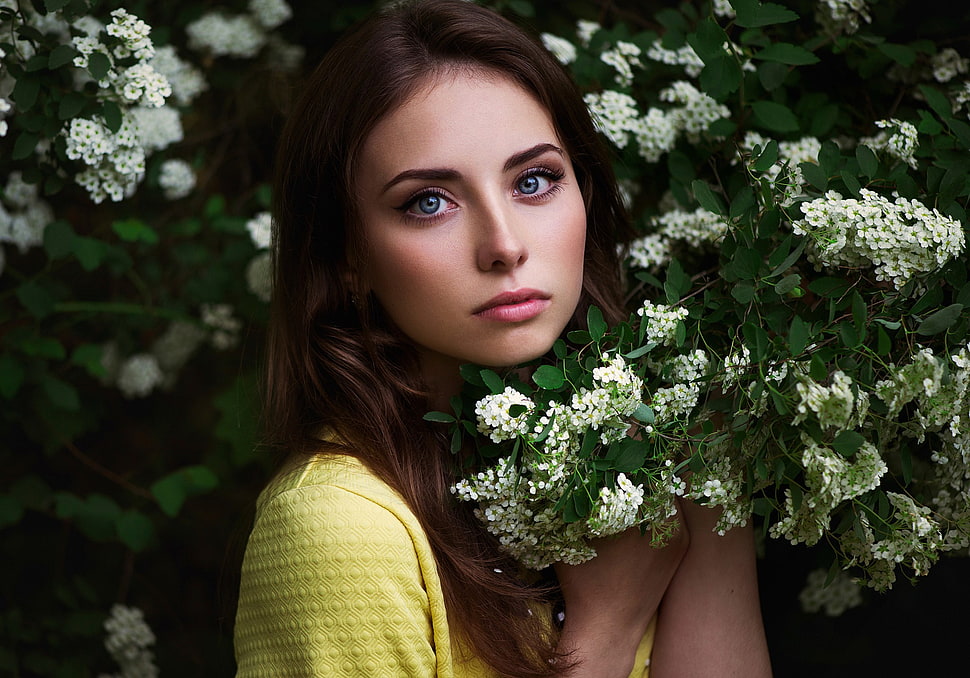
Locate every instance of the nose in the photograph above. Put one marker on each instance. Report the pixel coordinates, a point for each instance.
(501, 245)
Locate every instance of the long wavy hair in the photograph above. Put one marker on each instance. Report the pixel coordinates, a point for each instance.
(333, 359)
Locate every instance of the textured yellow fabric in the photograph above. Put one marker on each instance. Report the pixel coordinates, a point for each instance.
(339, 581)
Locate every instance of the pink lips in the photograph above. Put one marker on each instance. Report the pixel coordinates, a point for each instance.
(515, 306)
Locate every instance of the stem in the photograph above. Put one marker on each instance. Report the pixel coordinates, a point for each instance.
(105, 472)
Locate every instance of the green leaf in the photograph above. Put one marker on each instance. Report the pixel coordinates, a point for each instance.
(439, 417)
(707, 198)
(798, 336)
(58, 239)
(868, 162)
(630, 455)
(135, 230)
(786, 53)
(645, 414)
(787, 284)
(54, 5)
(720, 77)
(24, 146)
(492, 381)
(98, 65)
(752, 14)
(135, 530)
(90, 252)
(11, 376)
(60, 56)
(25, 93)
(112, 115)
(938, 101)
(790, 259)
(35, 298)
(548, 377)
(70, 105)
(171, 491)
(61, 394)
(708, 41)
(901, 54)
(847, 442)
(767, 157)
(940, 321)
(89, 356)
(596, 323)
(774, 116)
(814, 175)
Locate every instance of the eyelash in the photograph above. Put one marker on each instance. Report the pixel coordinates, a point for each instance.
(553, 175)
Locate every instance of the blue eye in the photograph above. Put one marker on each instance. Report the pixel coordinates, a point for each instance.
(429, 204)
(531, 185)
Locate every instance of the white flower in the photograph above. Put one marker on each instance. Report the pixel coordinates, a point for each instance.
(176, 179)
(128, 641)
(186, 81)
(684, 56)
(615, 115)
(232, 36)
(259, 277)
(223, 326)
(495, 418)
(616, 509)
(841, 594)
(585, 30)
(139, 375)
(901, 238)
(562, 49)
(260, 229)
(662, 321)
(623, 58)
(157, 128)
(900, 143)
(270, 13)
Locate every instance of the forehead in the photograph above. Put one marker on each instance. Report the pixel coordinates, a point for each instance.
(457, 113)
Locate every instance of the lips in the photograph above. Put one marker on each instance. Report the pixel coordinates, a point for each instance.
(514, 306)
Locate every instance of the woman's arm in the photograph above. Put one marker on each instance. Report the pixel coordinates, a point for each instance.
(611, 599)
(710, 618)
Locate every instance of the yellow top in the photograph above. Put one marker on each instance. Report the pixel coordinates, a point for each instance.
(339, 581)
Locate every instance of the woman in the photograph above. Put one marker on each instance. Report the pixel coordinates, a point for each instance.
(442, 199)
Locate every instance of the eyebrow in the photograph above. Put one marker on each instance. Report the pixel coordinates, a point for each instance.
(446, 174)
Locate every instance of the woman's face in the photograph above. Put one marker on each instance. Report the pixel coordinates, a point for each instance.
(475, 225)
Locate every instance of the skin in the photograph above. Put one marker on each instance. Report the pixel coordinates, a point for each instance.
(465, 194)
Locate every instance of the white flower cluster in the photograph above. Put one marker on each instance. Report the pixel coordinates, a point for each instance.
(696, 110)
(176, 179)
(920, 378)
(617, 509)
(138, 83)
(495, 418)
(662, 322)
(948, 64)
(832, 598)
(186, 81)
(785, 172)
(833, 405)
(718, 484)
(115, 160)
(23, 215)
(617, 117)
(832, 479)
(842, 16)
(240, 36)
(128, 641)
(900, 142)
(684, 56)
(223, 326)
(697, 228)
(562, 49)
(139, 375)
(901, 239)
(623, 57)
(5, 106)
(259, 270)
(585, 30)
(517, 500)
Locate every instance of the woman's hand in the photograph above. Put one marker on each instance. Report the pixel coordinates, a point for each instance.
(610, 600)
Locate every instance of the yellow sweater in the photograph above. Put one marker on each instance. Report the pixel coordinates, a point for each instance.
(339, 581)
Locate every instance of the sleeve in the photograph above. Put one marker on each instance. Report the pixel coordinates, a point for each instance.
(331, 586)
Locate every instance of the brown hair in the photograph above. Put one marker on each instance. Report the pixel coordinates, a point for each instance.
(333, 363)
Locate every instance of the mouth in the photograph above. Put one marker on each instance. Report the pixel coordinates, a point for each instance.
(514, 306)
